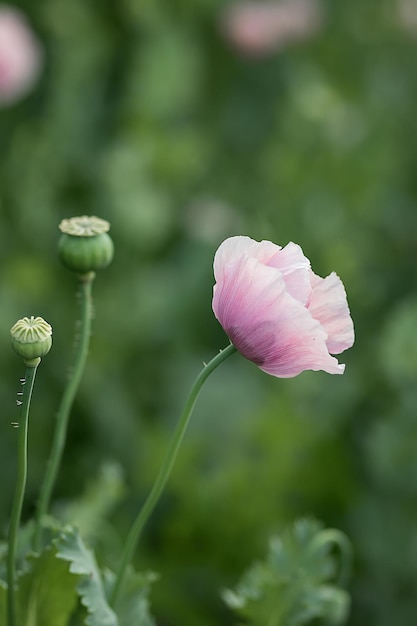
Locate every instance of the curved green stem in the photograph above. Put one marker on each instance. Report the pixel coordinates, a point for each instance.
(63, 414)
(165, 470)
(19, 493)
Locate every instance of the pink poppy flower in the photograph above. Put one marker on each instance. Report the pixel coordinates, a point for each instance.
(276, 311)
(20, 55)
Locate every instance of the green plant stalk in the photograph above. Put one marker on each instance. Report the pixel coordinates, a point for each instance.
(22, 464)
(64, 410)
(164, 472)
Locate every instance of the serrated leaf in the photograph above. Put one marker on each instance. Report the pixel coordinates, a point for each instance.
(24, 550)
(326, 600)
(132, 606)
(293, 586)
(71, 548)
(296, 551)
(46, 593)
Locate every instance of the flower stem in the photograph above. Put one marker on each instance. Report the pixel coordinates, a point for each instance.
(63, 414)
(19, 493)
(165, 470)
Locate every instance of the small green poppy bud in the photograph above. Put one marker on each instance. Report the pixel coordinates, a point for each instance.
(31, 339)
(85, 245)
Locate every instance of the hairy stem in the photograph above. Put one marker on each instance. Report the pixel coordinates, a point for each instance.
(19, 493)
(165, 470)
(64, 410)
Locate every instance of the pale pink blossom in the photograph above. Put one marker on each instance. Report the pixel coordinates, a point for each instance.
(276, 311)
(20, 55)
(259, 28)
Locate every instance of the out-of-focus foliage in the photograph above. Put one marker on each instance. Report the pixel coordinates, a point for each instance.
(147, 116)
(295, 584)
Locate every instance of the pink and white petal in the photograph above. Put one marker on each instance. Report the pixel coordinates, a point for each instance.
(295, 268)
(267, 325)
(299, 356)
(264, 251)
(246, 292)
(234, 248)
(328, 304)
(295, 342)
(229, 251)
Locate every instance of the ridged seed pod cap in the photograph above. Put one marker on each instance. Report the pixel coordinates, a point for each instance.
(31, 339)
(85, 245)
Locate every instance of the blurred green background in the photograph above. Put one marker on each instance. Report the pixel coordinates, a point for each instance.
(146, 115)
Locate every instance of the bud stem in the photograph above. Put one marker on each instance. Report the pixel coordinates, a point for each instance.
(19, 493)
(63, 414)
(165, 470)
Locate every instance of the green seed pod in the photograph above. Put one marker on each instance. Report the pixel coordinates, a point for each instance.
(85, 245)
(31, 339)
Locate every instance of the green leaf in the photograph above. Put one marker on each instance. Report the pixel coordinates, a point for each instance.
(24, 551)
(294, 585)
(66, 571)
(324, 601)
(90, 588)
(132, 606)
(46, 594)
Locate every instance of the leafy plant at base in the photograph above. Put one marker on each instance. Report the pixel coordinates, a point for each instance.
(63, 586)
(46, 594)
(132, 607)
(71, 548)
(298, 581)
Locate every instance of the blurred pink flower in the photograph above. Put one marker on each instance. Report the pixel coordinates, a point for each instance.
(259, 28)
(276, 311)
(20, 55)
